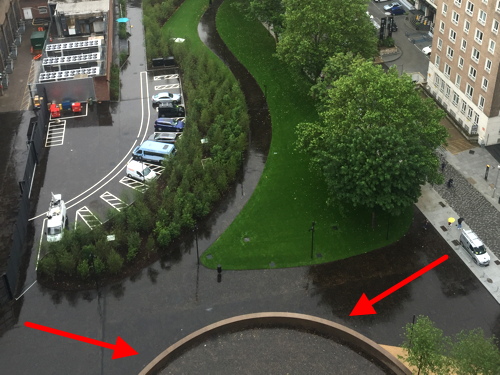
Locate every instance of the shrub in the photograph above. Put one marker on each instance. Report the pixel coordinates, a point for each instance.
(48, 266)
(99, 266)
(134, 242)
(150, 244)
(83, 269)
(115, 262)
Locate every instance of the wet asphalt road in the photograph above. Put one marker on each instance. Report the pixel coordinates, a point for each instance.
(175, 297)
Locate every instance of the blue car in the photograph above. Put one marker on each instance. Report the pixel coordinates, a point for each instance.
(169, 125)
(397, 11)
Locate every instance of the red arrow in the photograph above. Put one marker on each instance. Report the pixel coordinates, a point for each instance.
(365, 305)
(120, 349)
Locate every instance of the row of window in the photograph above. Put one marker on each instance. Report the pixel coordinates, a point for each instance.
(478, 37)
(472, 74)
(464, 107)
(481, 17)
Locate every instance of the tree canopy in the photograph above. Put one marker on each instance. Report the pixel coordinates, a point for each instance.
(473, 354)
(314, 30)
(375, 141)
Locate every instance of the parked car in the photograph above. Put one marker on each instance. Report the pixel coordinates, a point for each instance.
(474, 247)
(170, 110)
(165, 137)
(392, 5)
(166, 124)
(397, 11)
(427, 50)
(139, 171)
(166, 97)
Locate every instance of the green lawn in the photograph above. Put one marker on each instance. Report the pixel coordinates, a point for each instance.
(289, 197)
(274, 225)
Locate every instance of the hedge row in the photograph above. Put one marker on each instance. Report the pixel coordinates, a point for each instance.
(191, 183)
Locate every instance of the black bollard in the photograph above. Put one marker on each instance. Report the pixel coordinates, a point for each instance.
(219, 268)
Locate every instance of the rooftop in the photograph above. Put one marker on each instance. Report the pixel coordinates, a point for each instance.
(74, 7)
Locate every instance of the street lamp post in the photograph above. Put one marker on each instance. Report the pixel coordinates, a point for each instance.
(196, 238)
(312, 238)
(496, 181)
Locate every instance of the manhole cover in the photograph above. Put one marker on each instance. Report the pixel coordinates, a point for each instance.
(497, 262)
(443, 228)
(455, 242)
(272, 265)
(246, 239)
(489, 280)
(442, 204)
(472, 152)
(209, 256)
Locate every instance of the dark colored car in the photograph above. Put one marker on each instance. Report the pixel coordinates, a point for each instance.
(165, 124)
(170, 110)
(397, 11)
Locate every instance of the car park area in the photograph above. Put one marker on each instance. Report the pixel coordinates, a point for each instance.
(88, 168)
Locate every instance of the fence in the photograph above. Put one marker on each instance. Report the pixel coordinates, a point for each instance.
(9, 280)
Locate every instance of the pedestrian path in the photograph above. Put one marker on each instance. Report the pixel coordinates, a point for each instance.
(471, 197)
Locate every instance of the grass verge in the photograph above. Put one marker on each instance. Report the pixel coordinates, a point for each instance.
(273, 228)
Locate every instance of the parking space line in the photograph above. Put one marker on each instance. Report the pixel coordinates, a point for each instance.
(113, 201)
(133, 184)
(55, 133)
(166, 87)
(88, 217)
(166, 77)
(158, 169)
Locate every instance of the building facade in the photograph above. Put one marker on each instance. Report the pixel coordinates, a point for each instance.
(463, 72)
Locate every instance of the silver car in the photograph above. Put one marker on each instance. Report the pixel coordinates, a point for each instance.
(166, 97)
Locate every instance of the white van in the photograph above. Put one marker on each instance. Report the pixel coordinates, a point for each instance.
(139, 171)
(57, 220)
(475, 247)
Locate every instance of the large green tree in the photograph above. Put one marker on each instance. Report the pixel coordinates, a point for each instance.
(473, 354)
(424, 344)
(314, 30)
(375, 141)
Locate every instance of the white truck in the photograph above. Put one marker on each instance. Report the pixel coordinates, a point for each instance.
(56, 218)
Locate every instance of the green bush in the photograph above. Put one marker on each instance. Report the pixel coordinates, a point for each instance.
(48, 266)
(99, 266)
(83, 269)
(134, 242)
(115, 82)
(115, 262)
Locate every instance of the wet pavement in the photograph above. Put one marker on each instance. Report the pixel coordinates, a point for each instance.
(174, 297)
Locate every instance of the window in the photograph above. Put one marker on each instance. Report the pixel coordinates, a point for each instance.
(455, 17)
(43, 10)
(455, 99)
(469, 113)
(476, 119)
(464, 107)
(472, 73)
(481, 17)
(440, 44)
(470, 8)
(445, 9)
(484, 85)
(480, 103)
(469, 91)
(498, 6)
(453, 35)
(438, 60)
(449, 52)
(491, 46)
(442, 86)
(475, 55)
(437, 80)
(463, 46)
(466, 26)
(447, 70)
(458, 3)
(441, 27)
(487, 65)
(494, 26)
(479, 36)
(460, 62)
(458, 79)
(447, 91)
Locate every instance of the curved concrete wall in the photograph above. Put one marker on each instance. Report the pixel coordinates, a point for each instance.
(278, 319)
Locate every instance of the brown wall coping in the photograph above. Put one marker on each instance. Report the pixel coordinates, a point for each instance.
(290, 320)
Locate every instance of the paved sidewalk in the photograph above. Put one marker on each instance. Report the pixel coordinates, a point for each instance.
(470, 198)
